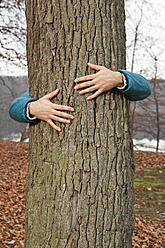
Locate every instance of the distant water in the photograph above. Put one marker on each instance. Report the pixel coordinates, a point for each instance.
(139, 145)
(15, 137)
(148, 145)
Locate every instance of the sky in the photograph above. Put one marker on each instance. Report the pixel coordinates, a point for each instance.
(150, 39)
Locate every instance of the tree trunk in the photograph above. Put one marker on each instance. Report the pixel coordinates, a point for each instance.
(156, 106)
(79, 190)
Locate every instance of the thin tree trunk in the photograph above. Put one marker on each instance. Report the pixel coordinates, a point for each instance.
(157, 107)
(133, 61)
(79, 190)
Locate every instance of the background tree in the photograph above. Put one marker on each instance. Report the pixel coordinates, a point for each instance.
(147, 120)
(12, 33)
(80, 181)
(150, 115)
(12, 60)
(134, 48)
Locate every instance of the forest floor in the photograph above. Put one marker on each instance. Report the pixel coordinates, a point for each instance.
(149, 196)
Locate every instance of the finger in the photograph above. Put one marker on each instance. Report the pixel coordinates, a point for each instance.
(85, 78)
(52, 94)
(97, 93)
(83, 85)
(88, 90)
(51, 123)
(95, 67)
(62, 120)
(64, 115)
(63, 107)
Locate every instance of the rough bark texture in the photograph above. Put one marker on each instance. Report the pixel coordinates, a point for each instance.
(80, 181)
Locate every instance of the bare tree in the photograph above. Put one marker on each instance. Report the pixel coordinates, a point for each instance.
(145, 115)
(149, 117)
(156, 104)
(13, 32)
(134, 45)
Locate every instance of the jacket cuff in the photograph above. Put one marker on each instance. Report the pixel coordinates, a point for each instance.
(27, 112)
(125, 81)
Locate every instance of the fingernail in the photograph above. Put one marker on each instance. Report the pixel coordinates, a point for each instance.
(72, 117)
(59, 129)
(75, 87)
(68, 121)
(72, 109)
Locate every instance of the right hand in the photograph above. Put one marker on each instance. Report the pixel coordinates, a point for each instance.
(45, 110)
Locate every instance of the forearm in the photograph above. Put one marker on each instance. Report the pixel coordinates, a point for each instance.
(138, 87)
(17, 110)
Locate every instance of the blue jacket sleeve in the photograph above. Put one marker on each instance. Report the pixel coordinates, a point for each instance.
(138, 88)
(18, 106)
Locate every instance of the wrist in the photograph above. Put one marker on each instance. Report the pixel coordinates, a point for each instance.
(28, 114)
(32, 108)
(119, 79)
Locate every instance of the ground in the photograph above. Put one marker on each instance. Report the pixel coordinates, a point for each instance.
(149, 196)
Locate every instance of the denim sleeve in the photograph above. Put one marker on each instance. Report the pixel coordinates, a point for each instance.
(138, 88)
(18, 106)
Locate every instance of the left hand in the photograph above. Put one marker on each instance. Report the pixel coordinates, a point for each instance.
(99, 82)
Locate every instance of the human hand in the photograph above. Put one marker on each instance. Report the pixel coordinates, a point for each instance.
(99, 82)
(45, 110)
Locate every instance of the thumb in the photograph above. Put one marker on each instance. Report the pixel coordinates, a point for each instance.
(51, 94)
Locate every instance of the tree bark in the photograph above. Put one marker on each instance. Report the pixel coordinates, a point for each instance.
(79, 190)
